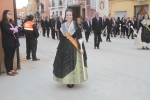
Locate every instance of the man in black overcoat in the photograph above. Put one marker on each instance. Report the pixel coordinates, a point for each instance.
(97, 28)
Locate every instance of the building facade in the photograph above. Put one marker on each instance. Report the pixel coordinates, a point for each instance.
(31, 7)
(22, 12)
(43, 8)
(81, 8)
(130, 8)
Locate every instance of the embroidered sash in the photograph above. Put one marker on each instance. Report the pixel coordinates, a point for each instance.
(147, 27)
(71, 39)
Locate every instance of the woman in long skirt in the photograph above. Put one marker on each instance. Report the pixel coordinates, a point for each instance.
(143, 38)
(70, 64)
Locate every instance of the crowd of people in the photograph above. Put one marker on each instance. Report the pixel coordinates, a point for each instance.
(125, 27)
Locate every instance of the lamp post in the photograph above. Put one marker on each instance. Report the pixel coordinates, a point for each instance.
(15, 19)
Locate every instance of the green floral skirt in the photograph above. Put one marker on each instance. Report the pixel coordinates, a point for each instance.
(77, 76)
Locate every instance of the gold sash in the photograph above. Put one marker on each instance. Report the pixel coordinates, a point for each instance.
(71, 39)
(147, 27)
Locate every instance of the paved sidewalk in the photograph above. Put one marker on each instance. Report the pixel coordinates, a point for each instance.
(117, 71)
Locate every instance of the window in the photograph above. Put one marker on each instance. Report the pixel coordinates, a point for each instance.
(53, 3)
(60, 2)
(60, 13)
(57, 13)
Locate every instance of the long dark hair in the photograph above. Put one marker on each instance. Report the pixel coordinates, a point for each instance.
(4, 17)
(73, 18)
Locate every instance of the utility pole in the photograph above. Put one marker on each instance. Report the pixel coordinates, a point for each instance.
(15, 19)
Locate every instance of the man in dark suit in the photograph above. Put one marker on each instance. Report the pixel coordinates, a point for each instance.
(130, 23)
(135, 23)
(87, 28)
(114, 26)
(109, 23)
(43, 25)
(50, 24)
(58, 26)
(47, 26)
(97, 28)
(53, 20)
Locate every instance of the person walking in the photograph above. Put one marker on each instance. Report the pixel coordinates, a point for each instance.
(109, 23)
(97, 28)
(87, 28)
(70, 64)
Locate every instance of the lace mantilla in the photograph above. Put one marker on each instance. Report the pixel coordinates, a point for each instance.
(71, 28)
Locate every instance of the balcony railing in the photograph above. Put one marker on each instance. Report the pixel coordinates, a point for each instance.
(75, 2)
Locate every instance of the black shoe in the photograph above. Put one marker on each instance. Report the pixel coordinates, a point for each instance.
(71, 86)
(67, 85)
(109, 40)
(143, 48)
(132, 38)
(35, 59)
(28, 58)
(94, 47)
(147, 48)
(97, 47)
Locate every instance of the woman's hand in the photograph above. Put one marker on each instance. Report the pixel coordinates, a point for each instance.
(12, 29)
(81, 51)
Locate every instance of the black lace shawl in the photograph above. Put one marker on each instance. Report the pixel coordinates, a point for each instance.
(145, 36)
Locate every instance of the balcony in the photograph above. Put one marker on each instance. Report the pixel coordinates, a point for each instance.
(76, 2)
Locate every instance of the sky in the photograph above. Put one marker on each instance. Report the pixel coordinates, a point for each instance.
(21, 3)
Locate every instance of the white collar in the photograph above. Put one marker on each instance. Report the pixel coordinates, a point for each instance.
(71, 28)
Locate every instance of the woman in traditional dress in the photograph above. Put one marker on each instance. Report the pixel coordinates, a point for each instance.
(143, 37)
(70, 64)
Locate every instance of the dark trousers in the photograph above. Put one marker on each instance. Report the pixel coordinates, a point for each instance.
(8, 58)
(131, 33)
(87, 36)
(117, 31)
(126, 31)
(114, 31)
(108, 34)
(53, 33)
(43, 28)
(19, 31)
(97, 38)
(31, 46)
(47, 29)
